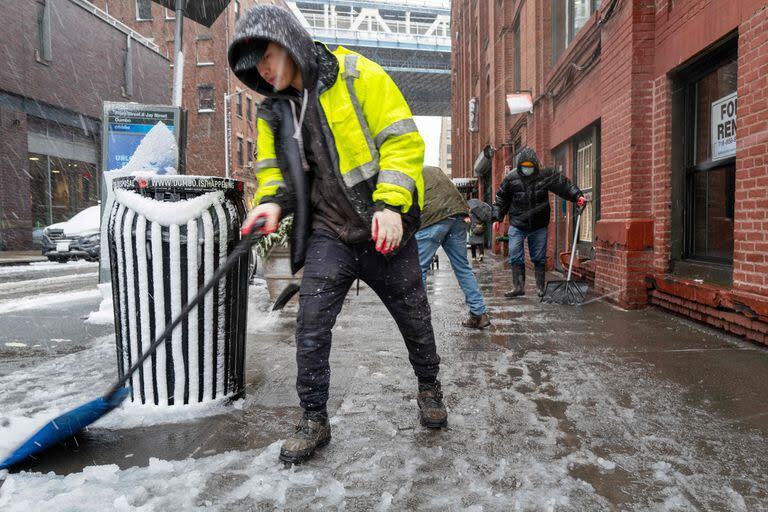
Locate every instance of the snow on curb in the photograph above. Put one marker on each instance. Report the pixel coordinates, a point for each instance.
(46, 300)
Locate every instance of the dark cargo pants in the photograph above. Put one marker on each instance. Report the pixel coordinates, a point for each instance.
(330, 269)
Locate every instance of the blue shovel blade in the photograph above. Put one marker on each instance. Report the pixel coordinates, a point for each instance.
(65, 426)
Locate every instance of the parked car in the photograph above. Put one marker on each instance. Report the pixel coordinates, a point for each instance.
(77, 238)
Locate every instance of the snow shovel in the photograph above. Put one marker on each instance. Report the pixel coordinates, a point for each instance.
(72, 422)
(567, 292)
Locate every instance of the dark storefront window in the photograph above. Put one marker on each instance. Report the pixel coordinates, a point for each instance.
(711, 169)
(568, 16)
(60, 188)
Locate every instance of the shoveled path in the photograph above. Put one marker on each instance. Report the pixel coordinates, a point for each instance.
(554, 407)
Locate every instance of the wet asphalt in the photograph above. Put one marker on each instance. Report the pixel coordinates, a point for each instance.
(627, 404)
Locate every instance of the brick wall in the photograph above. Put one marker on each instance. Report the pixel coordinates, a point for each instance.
(661, 177)
(87, 60)
(629, 91)
(626, 153)
(750, 266)
(86, 69)
(15, 214)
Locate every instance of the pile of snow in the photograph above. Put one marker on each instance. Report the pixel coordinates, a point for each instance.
(106, 314)
(226, 481)
(157, 154)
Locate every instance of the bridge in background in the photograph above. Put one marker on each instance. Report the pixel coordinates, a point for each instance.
(411, 39)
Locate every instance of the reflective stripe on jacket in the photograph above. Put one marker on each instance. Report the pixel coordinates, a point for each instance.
(379, 153)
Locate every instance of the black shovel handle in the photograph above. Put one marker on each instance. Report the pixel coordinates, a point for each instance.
(241, 249)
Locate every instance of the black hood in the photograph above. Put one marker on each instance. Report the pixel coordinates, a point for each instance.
(529, 155)
(261, 25)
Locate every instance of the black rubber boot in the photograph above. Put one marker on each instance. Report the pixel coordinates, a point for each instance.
(312, 432)
(432, 411)
(541, 279)
(518, 282)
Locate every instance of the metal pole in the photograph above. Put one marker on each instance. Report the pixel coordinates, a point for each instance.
(573, 247)
(178, 61)
(226, 135)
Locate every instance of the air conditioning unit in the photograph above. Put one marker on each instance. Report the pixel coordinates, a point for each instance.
(249, 165)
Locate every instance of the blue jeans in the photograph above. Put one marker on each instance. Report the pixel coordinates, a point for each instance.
(537, 246)
(451, 234)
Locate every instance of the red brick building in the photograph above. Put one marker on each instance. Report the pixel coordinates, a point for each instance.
(660, 110)
(60, 60)
(207, 78)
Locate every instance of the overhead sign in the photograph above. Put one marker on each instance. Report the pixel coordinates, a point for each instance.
(724, 127)
(520, 102)
(126, 126)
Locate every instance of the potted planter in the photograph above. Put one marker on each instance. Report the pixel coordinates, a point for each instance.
(276, 255)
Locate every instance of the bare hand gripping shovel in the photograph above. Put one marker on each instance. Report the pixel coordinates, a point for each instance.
(72, 422)
(567, 292)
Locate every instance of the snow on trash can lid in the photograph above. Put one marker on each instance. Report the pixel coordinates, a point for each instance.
(168, 213)
(198, 193)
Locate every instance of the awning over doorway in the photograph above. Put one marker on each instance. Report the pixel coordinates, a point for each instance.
(465, 183)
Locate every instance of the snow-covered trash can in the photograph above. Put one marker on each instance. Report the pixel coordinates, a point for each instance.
(167, 236)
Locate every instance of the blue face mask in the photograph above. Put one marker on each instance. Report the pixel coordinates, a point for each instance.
(527, 171)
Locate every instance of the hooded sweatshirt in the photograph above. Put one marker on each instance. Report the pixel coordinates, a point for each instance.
(331, 209)
(526, 198)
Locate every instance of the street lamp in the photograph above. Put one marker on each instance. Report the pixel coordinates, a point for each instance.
(227, 130)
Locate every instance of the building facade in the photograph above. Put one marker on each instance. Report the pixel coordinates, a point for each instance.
(658, 110)
(61, 60)
(209, 89)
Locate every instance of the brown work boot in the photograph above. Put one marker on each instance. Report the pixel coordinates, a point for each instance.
(477, 321)
(431, 408)
(312, 432)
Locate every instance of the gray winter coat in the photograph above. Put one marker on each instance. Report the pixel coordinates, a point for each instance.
(480, 214)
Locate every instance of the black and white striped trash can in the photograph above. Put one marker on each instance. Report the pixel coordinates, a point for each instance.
(167, 236)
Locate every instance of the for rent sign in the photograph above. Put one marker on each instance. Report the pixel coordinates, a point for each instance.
(724, 127)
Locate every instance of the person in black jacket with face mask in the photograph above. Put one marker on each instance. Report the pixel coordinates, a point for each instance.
(524, 195)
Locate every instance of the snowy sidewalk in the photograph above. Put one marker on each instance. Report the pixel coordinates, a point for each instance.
(567, 408)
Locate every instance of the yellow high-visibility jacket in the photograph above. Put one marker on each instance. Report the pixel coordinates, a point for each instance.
(379, 154)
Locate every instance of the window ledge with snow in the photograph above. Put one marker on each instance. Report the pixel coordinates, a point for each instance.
(205, 110)
(204, 64)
